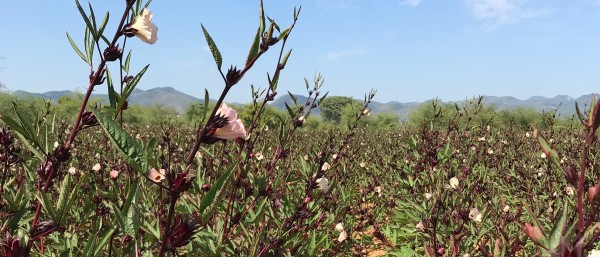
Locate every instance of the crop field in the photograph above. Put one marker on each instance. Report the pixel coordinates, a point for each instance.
(476, 191)
(324, 176)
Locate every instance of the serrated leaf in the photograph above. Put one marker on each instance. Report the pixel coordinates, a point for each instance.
(213, 48)
(312, 245)
(556, 232)
(88, 46)
(294, 98)
(103, 24)
(76, 49)
(46, 202)
(322, 98)
(132, 150)
(306, 83)
(206, 101)
(130, 86)
(61, 205)
(104, 240)
(261, 13)
(285, 59)
(93, 21)
(254, 48)
(85, 18)
(551, 153)
(112, 94)
(579, 115)
(290, 111)
(23, 135)
(131, 215)
(212, 197)
(126, 64)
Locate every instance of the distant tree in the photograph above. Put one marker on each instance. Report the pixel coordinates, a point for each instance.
(271, 116)
(332, 107)
(195, 111)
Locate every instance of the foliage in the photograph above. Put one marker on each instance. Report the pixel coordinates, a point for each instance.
(458, 181)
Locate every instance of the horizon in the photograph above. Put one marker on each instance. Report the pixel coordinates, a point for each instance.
(409, 51)
(304, 95)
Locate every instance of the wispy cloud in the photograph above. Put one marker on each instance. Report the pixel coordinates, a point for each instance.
(355, 51)
(500, 12)
(411, 3)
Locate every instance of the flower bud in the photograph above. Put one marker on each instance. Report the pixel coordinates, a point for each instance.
(233, 76)
(183, 181)
(533, 232)
(12, 246)
(181, 232)
(113, 53)
(43, 228)
(88, 119)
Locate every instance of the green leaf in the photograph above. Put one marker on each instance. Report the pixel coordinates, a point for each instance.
(24, 135)
(74, 46)
(285, 59)
(131, 214)
(206, 101)
(322, 98)
(213, 48)
(88, 45)
(290, 111)
(46, 202)
(103, 25)
(85, 18)
(104, 240)
(132, 150)
(294, 98)
(212, 197)
(254, 48)
(556, 232)
(579, 115)
(126, 64)
(112, 94)
(93, 20)
(129, 88)
(89, 245)
(62, 205)
(551, 153)
(312, 245)
(261, 13)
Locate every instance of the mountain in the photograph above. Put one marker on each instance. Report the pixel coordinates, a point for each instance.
(171, 98)
(166, 97)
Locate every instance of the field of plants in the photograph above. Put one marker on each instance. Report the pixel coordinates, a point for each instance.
(455, 181)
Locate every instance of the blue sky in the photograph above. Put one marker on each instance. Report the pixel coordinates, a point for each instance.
(408, 50)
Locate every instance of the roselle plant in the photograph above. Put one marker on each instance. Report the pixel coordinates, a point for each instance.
(203, 194)
(460, 180)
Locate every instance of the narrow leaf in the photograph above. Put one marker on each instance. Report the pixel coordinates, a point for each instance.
(85, 18)
(213, 48)
(112, 95)
(211, 198)
(294, 98)
(104, 240)
(290, 111)
(261, 13)
(254, 48)
(556, 232)
(285, 59)
(130, 86)
(74, 46)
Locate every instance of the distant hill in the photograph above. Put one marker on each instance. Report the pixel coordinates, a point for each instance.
(167, 97)
(172, 98)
